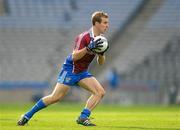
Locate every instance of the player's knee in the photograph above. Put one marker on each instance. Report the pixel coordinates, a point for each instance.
(101, 93)
(54, 99)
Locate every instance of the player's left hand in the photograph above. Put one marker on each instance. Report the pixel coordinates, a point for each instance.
(94, 45)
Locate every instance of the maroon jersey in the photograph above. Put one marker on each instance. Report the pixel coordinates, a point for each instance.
(82, 41)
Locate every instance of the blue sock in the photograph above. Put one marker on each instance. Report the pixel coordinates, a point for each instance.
(38, 106)
(85, 113)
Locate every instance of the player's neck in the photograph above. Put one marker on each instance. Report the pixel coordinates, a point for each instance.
(95, 31)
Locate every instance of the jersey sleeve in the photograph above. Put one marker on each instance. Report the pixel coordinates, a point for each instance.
(81, 41)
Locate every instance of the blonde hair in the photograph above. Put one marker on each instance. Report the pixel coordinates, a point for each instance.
(96, 17)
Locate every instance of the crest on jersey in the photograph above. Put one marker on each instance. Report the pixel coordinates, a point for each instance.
(67, 79)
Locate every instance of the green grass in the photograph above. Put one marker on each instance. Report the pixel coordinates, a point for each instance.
(107, 117)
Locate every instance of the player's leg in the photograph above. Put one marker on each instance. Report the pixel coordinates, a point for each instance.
(59, 92)
(93, 86)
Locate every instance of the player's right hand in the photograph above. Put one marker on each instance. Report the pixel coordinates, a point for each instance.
(94, 45)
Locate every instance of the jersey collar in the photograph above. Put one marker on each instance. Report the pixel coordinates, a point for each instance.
(91, 32)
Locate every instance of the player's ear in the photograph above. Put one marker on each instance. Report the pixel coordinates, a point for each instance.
(97, 23)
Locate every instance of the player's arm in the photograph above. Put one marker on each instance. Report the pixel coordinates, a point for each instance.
(78, 54)
(101, 59)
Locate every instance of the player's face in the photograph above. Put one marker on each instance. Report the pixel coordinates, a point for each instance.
(104, 25)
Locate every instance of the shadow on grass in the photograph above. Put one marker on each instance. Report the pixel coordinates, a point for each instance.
(143, 128)
(6, 119)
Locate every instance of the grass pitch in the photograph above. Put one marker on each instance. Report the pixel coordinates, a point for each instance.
(107, 117)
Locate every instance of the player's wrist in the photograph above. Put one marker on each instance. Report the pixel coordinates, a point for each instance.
(88, 49)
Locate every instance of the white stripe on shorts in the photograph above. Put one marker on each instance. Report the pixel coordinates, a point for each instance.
(63, 76)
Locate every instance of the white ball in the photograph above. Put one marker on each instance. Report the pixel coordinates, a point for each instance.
(105, 44)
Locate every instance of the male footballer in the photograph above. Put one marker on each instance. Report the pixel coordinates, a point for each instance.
(75, 72)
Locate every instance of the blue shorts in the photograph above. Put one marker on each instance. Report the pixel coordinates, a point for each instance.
(71, 79)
